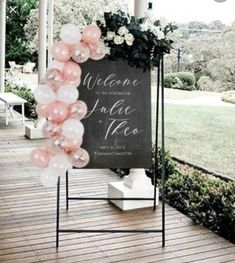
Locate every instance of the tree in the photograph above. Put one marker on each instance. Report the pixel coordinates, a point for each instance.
(80, 13)
(16, 17)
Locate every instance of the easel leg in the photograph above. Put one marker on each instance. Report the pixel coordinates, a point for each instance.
(156, 138)
(67, 190)
(163, 152)
(58, 213)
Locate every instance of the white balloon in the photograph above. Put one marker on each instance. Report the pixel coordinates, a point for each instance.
(44, 94)
(55, 64)
(60, 163)
(67, 94)
(70, 34)
(49, 177)
(73, 129)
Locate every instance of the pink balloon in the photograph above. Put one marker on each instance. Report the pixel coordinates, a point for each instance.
(39, 158)
(42, 110)
(97, 50)
(50, 129)
(72, 71)
(80, 53)
(78, 110)
(53, 146)
(91, 34)
(71, 145)
(60, 51)
(74, 83)
(80, 158)
(57, 112)
(54, 77)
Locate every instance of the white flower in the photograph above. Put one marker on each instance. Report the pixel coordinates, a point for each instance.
(110, 35)
(163, 22)
(123, 30)
(118, 40)
(161, 35)
(158, 33)
(144, 27)
(129, 38)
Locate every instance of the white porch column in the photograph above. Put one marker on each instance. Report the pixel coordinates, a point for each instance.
(50, 28)
(140, 7)
(42, 54)
(2, 43)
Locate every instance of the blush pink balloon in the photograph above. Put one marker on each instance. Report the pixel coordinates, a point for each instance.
(74, 83)
(80, 158)
(97, 50)
(57, 112)
(80, 53)
(40, 158)
(72, 71)
(54, 146)
(54, 77)
(91, 34)
(71, 145)
(42, 110)
(60, 51)
(50, 129)
(78, 110)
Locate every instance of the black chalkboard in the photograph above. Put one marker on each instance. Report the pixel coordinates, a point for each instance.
(118, 123)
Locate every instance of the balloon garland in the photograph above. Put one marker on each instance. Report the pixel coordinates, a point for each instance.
(57, 102)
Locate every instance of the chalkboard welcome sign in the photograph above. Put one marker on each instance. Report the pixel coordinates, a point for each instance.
(118, 123)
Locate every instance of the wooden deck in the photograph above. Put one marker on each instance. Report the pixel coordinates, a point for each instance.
(27, 219)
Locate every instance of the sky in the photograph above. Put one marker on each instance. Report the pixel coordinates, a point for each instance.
(201, 10)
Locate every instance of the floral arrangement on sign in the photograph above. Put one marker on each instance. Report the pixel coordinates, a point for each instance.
(140, 41)
(57, 102)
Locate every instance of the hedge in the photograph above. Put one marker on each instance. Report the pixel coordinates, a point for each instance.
(180, 80)
(228, 96)
(207, 200)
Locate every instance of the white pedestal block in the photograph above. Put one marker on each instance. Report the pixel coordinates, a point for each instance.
(120, 190)
(33, 133)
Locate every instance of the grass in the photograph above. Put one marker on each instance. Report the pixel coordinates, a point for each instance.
(202, 135)
(177, 94)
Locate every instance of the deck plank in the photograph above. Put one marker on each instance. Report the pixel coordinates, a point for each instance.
(27, 219)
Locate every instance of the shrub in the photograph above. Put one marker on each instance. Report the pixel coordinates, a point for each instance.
(180, 80)
(205, 83)
(25, 93)
(228, 96)
(205, 199)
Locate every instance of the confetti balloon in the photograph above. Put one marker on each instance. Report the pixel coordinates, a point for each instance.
(80, 158)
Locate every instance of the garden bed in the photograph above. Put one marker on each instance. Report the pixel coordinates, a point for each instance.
(208, 200)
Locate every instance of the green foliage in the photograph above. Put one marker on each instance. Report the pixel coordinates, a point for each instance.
(180, 80)
(147, 48)
(228, 96)
(17, 13)
(25, 93)
(207, 200)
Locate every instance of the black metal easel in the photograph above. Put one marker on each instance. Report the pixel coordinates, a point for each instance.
(160, 78)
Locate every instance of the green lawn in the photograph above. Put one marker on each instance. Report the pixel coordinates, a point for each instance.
(177, 94)
(202, 135)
